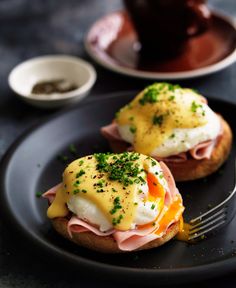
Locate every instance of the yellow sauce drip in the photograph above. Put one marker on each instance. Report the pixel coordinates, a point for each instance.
(174, 211)
(81, 178)
(183, 232)
(152, 122)
(58, 207)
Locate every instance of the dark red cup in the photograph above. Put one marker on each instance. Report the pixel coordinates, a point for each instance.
(164, 26)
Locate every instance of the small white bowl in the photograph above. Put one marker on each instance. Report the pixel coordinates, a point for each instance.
(48, 68)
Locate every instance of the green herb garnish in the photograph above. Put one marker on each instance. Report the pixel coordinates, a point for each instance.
(116, 206)
(62, 158)
(38, 194)
(73, 149)
(195, 107)
(117, 220)
(150, 95)
(132, 129)
(157, 120)
(122, 169)
(80, 173)
(100, 183)
(154, 163)
(171, 98)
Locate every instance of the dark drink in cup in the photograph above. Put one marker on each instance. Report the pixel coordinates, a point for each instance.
(164, 26)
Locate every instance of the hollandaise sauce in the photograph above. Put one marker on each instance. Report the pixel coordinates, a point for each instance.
(183, 231)
(159, 109)
(112, 182)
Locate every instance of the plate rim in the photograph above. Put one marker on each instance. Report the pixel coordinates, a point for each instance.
(182, 274)
(210, 69)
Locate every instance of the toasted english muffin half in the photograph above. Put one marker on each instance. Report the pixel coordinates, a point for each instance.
(107, 244)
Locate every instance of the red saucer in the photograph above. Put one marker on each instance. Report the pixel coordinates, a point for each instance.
(112, 42)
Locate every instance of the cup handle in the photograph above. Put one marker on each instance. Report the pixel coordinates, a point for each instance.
(199, 19)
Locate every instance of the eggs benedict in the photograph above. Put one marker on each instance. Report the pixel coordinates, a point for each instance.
(116, 202)
(174, 125)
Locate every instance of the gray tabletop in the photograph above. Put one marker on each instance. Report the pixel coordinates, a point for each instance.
(30, 28)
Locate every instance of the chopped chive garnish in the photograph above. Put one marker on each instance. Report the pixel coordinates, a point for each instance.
(62, 158)
(195, 107)
(80, 173)
(157, 120)
(151, 93)
(116, 206)
(117, 220)
(132, 129)
(73, 149)
(123, 169)
(38, 194)
(76, 191)
(154, 163)
(171, 98)
(100, 183)
(76, 184)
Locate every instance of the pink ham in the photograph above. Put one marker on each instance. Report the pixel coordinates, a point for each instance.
(203, 150)
(77, 225)
(137, 237)
(111, 132)
(171, 193)
(181, 157)
(134, 240)
(200, 151)
(50, 194)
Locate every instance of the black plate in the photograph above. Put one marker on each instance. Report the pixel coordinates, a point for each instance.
(32, 165)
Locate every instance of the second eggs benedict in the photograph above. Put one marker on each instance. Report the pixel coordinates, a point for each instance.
(175, 125)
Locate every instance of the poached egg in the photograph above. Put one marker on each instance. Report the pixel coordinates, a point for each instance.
(116, 191)
(165, 120)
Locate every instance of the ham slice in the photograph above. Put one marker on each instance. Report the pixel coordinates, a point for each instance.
(203, 150)
(50, 194)
(135, 240)
(171, 193)
(77, 225)
(111, 132)
(181, 157)
(200, 151)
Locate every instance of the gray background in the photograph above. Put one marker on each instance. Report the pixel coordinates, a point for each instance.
(30, 28)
